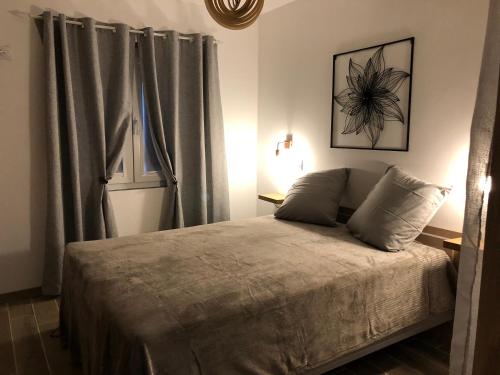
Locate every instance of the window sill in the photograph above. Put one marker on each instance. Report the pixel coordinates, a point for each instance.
(136, 185)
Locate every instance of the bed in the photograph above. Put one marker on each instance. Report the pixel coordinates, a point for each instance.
(255, 296)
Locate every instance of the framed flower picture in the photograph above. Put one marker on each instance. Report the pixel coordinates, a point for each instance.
(372, 97)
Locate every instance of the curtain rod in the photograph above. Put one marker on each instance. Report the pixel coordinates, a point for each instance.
(112, 28)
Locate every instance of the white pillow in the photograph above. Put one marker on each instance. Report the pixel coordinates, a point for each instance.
(396, 210)
(315, 198)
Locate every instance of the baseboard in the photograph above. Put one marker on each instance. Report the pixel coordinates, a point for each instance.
(21, 295)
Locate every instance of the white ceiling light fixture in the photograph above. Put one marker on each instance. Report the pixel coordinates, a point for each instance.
(235, 14)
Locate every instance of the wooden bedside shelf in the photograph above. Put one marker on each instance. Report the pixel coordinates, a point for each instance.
(453, 243)
(275, 198)
(456, 244)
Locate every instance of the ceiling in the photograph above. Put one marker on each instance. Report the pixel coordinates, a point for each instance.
(270, 5)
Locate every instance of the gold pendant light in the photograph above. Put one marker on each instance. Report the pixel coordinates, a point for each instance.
(234, 14)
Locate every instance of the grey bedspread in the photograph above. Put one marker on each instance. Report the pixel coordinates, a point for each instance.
(256, 296)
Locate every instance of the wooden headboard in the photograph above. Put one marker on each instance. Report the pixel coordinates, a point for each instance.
(431, 236)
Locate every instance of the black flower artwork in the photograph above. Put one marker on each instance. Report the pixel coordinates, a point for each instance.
(371, 97)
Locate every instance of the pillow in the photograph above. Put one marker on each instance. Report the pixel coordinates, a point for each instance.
(396, 210)
(314, 198)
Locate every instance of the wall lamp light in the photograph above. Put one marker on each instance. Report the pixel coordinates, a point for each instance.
(287, 143)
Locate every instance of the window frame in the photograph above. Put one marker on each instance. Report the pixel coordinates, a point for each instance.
(127, 175)
(140, 175)
(133, 176)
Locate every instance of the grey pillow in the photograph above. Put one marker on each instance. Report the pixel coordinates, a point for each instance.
(396, 211)
(315, 198)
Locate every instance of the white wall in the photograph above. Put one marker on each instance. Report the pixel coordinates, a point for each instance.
(296, 45)
(23, 140)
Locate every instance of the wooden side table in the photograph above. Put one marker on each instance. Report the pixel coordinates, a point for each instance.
(453, 243)
(276, 198)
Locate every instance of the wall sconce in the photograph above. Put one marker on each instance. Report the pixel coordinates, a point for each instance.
(287, 143)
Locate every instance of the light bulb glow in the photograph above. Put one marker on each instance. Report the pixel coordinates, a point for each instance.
(485, 185)
(290, 163)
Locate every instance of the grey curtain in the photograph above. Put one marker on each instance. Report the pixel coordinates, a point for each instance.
(88, 109)
(469, 279)
(181, 83)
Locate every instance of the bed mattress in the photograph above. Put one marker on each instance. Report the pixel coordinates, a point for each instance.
(255, 296)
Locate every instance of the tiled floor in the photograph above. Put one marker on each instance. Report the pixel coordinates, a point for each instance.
(26, 347)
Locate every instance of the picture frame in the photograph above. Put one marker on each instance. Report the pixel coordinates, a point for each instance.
(371, 97)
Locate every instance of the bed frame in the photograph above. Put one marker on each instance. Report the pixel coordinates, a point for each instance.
(431, 236)
(403, 334)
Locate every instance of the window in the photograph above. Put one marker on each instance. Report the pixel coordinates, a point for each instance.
(139, 167)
